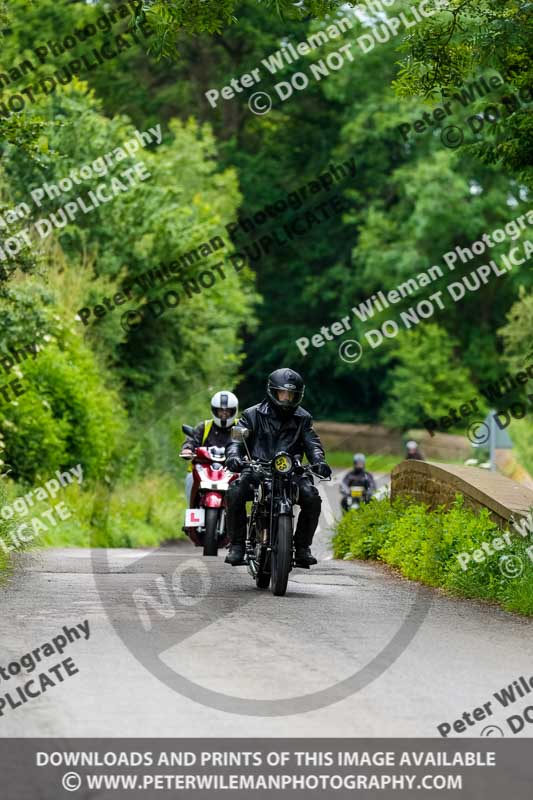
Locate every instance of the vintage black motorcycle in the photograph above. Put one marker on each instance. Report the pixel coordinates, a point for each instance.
(269, 552)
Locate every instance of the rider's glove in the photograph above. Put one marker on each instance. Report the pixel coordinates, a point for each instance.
(234, 464)
(322, 469)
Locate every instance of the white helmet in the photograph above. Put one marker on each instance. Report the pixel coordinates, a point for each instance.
(224, 407)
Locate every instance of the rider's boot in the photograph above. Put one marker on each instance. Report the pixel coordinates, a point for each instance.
(304, 557)
(303, 537)
(235, 556)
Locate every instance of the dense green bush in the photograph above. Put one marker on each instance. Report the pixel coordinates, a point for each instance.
(424, 546)
(67, 414)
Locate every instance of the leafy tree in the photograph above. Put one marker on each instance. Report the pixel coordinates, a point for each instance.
(172, 17)
(445, 50)
(408, 203)
(426, 380)
(18, 130)
(67, 412)
(517, 333)
(517, 336)
(406, 206)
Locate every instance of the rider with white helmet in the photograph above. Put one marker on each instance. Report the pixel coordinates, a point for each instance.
(212, 432)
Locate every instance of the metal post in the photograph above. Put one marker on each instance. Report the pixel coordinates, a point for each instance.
(492, 439)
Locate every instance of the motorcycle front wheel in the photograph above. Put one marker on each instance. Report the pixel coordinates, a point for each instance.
(282, 556)
(211, 537)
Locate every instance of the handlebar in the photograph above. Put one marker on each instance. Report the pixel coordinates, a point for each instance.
(201, 457)
(320, 478)
(265, 466)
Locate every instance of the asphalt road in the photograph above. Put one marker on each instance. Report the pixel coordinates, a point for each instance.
(215, 635)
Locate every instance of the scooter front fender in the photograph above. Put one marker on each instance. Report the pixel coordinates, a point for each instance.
(213, 500)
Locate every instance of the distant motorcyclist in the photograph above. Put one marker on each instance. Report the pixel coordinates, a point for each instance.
(412, 451)
(277, 423)
(224, 410)
(358, 476)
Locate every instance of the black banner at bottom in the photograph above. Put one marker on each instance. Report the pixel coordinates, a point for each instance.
(54, 769)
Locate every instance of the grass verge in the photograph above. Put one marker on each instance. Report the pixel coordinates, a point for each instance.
(142, 513)
(424, 546)
(340, 459)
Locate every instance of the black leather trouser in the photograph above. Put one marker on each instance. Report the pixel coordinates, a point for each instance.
(309, 501)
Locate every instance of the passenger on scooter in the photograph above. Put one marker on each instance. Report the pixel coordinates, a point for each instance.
(358, 476)
(224, 409)
(278, 423)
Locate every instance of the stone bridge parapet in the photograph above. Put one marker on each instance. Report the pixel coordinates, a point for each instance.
(437, 484)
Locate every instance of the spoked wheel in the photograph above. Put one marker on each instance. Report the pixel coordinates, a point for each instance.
(282, 556)
(211, 531)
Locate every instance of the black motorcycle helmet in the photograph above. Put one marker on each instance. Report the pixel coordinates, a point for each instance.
(285, 389)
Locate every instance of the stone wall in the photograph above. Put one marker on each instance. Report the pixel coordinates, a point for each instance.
(387, 441)
(437, 484)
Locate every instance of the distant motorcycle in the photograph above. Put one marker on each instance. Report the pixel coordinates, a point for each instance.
(354, 496)
(269, 551)
(205, 520)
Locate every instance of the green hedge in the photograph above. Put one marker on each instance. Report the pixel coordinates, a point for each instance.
(424, 545)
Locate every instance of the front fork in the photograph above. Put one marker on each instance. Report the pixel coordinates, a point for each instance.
(263, 537)
(285, 506)
(221, 523)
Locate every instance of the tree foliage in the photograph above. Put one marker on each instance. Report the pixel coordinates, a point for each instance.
(457, 44)
(427, 378)
(408, 203)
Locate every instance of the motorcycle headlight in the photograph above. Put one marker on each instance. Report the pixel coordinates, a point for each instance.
(283, 463)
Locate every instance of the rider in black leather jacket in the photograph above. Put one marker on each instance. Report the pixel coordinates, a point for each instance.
(358, 476)
(278, 423)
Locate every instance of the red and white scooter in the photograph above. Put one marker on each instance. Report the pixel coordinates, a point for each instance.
(205, 520)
